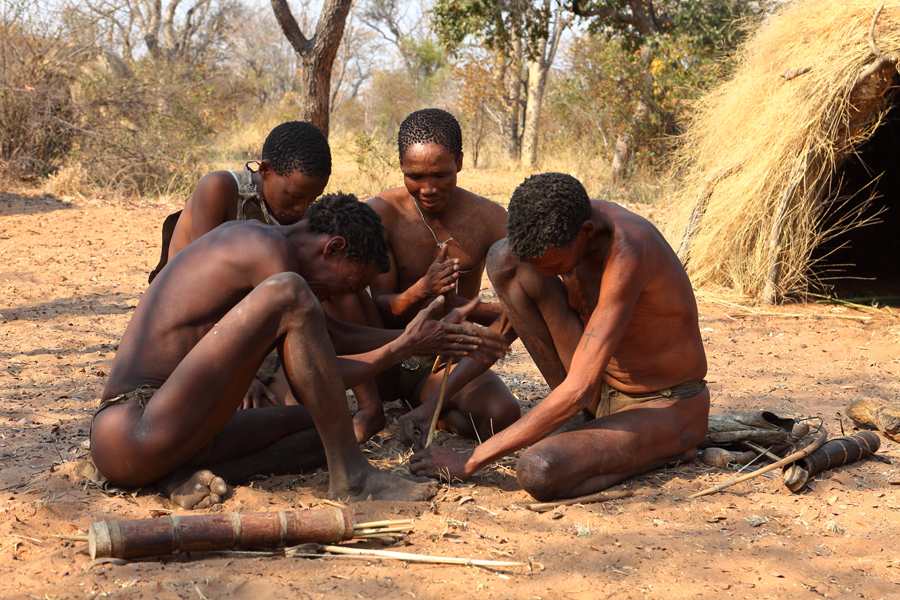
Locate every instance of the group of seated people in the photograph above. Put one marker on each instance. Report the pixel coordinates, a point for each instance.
(380, 297)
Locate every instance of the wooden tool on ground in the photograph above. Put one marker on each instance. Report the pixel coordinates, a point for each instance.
(834, 453)
(823, 435)
(598, 497)
(440, 404)
(231, 531)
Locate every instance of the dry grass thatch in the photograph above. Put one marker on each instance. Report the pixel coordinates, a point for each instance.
(760, 164)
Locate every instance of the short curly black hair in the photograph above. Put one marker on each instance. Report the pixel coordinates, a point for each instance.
(342, 214)
(298, 146)
(546, 210)
(430, 125)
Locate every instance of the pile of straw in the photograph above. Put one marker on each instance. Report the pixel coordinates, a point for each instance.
(760, 163)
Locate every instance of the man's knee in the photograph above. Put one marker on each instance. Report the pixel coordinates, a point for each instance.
(288, 292)
(535, 472)
(503, 412)
(501, 264)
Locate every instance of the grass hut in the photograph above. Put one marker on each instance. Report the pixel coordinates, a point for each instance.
(790, 171)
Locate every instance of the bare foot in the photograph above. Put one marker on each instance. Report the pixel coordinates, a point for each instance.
(367, 423)
(194, 489)
(378, 485)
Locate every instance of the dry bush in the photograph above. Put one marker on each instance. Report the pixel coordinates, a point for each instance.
(149, 133)
(36, 111)
(138, 129)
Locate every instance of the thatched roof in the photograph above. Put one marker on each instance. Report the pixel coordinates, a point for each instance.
(760, 162)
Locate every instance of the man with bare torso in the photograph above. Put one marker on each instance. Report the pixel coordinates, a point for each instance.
(439, 235)
(204, 326)
(293, 171)
(607, 312)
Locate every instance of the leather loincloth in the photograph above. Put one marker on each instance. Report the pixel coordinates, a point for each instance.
(613, 400)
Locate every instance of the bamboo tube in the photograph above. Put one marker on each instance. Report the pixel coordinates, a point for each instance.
(205, 533)
(834, 453)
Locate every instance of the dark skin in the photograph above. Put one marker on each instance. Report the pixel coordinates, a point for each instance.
(288, 197)
(199, 334)
(421, 271)
(618, 307)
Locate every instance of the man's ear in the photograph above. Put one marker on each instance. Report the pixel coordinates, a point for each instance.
(264, 168)
(459, 162)
(587, 229)
(335, 247)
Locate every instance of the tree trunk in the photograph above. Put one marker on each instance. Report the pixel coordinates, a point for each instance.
(509, 126)
(538, 69)
(625, 142)
(316, 56)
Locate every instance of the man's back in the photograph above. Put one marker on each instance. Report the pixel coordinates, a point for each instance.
(200, 285)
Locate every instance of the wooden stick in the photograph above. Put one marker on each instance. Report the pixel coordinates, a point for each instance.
(600, 497)
(422, 557)
(440, 404)
(798, 315)
(762, 450)
(372, 524)
(360, 532)
(71, 538)
(823, 435)
(437, 361)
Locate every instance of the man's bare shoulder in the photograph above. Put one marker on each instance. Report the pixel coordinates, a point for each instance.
(482, 204)
(388, 201)
(217, 189)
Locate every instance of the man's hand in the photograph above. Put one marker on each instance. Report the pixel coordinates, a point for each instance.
(259, 396)
(415, 424)
(440, 463)
(451, 337)
(441, 275)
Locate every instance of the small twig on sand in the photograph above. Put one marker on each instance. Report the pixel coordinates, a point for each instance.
(71, 538)
(410, 557)
(600, 497)
(373, 524)
(823, 435)
(25, 537)
(440, 404)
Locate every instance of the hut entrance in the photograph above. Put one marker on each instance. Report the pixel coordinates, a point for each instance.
(865, 261)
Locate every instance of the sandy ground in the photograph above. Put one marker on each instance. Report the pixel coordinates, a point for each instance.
(71, 274)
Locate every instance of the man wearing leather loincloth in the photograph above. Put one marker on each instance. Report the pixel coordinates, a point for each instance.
(607, 312)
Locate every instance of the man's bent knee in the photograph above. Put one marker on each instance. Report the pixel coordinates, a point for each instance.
(288, 292)
(535, 473)
(502, 413)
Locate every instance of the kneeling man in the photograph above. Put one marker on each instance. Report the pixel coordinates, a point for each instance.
(206, 323)
(607, 312)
